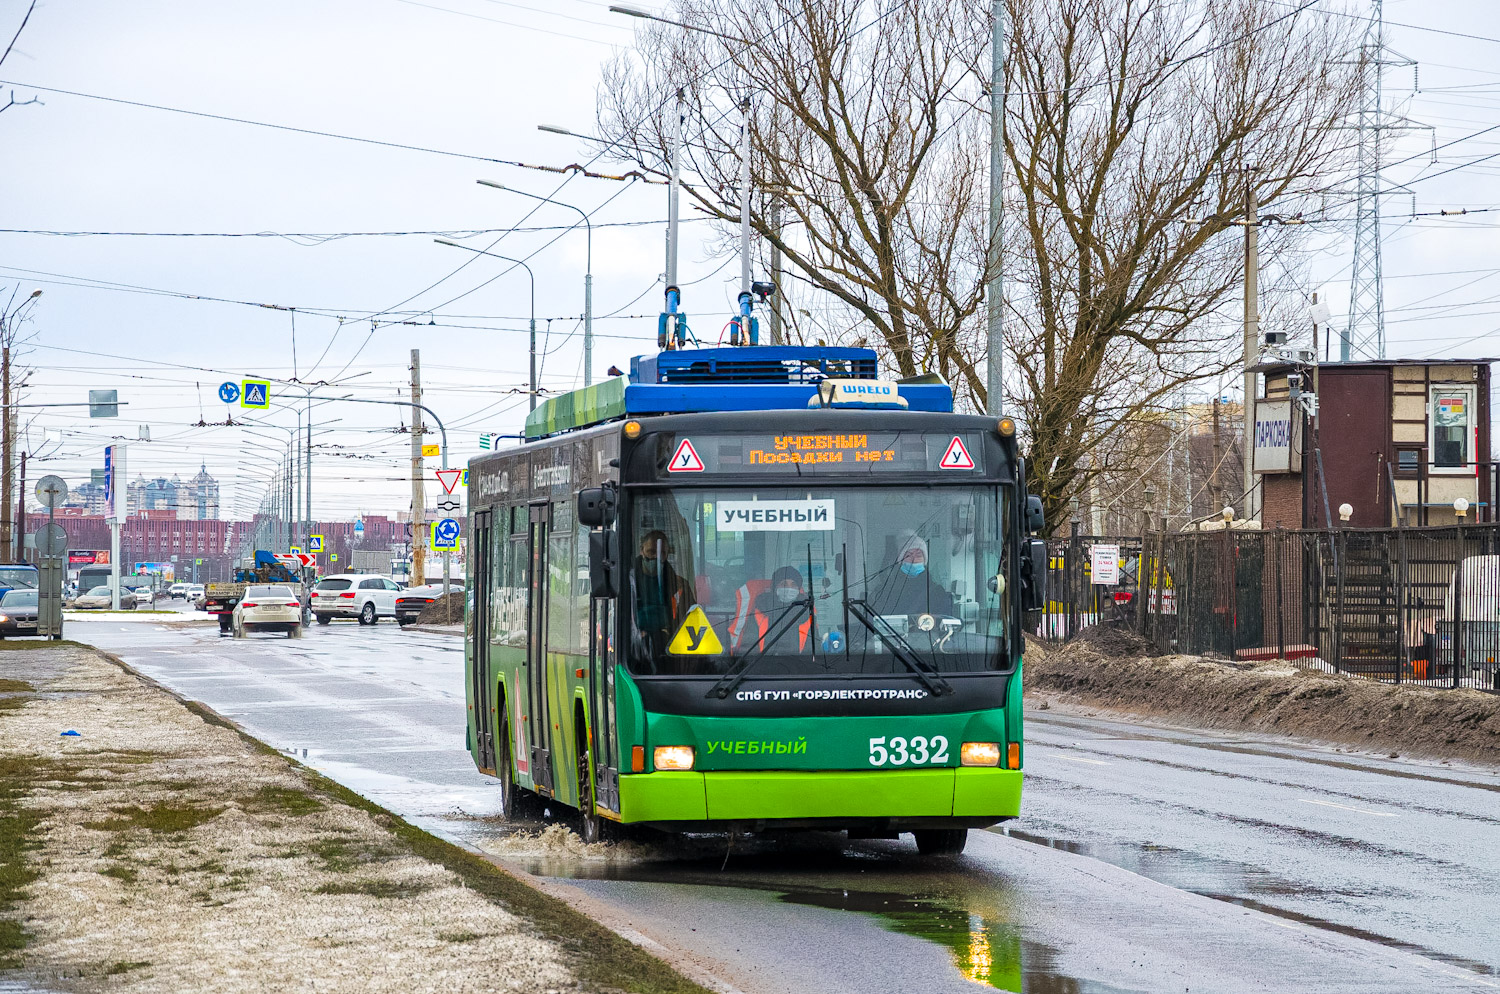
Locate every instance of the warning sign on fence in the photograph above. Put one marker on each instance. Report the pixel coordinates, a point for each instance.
(1104, 565)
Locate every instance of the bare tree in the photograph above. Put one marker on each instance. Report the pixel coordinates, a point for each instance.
(1131, 128)
(863, 132)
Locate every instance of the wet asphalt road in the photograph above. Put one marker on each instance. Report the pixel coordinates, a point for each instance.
(1147, 859)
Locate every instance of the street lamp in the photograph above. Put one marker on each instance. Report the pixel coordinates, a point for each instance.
(588, 275)
(529, 273)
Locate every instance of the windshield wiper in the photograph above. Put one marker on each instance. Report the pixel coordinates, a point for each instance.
(900, 648)
(741, 664)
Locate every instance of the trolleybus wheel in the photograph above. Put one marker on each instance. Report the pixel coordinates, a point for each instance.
(590, 825)
(513, 800)
(941, 841)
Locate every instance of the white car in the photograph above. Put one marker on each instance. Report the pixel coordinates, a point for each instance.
(177, 590)
(195, 594)
(364, 596)
(137, 596)
(268, 607)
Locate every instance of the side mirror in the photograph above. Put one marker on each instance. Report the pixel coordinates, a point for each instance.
(604, 560)
(596, 507)
(1033, 575)
(1036, 520)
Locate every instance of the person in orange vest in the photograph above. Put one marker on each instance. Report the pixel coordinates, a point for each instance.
(757, 603)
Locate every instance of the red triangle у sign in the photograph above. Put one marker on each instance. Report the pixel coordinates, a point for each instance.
(449, 479)
(685, 459)
(957, 457)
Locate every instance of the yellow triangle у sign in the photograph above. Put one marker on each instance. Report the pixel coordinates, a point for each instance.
(696, 637)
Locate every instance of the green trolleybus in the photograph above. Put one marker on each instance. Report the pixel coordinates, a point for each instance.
(754, 588)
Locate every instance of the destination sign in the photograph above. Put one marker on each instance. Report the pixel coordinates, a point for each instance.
(804, 454)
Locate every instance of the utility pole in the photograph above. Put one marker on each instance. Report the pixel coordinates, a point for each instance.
(418, 493)
(1252, 339)
(1213, 473)
(746, 299)
(6, 480)
(21, 514)
(994, 291)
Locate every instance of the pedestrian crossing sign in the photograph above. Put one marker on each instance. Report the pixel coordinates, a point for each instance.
(315, 543)
(255, 393)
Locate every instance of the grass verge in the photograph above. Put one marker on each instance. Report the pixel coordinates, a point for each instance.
(599, 958)
(17, 838)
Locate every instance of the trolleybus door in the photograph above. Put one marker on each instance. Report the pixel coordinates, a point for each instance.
(481, 552)
(536, 651)
(601, 687)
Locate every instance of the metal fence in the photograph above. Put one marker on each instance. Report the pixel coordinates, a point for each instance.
(1419, 605)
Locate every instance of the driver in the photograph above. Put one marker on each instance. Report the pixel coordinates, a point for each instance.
(784, 590)
(907, 587)
(662, 598)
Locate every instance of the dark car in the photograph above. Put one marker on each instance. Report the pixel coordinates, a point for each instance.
(411, 601)
(18, 613)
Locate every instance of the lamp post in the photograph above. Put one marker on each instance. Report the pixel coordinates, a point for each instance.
(588, 277)
(529, 273)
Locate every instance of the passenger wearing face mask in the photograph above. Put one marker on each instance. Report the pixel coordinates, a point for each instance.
(751, 628)
(908, 587)
(662, 598)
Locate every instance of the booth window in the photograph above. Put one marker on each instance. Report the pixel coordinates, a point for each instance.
(1452, 420)
(1409, 462)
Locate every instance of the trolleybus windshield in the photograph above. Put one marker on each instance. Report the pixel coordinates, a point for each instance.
(817, 581)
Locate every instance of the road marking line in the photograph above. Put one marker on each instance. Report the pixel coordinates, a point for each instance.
(1345, 807)
(1091, 762)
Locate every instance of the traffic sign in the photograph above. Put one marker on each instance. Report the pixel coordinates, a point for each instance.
(297, 559)
(333, 557)
(487, 440)
(449, 479)
(229, 392)
(448, 506)
(445, 534)
(294, 551)
(256, 393)
(51, 540)
(51, 491)
(315, 543)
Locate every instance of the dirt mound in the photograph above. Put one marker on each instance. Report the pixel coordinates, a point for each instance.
(1274, 697)
(1109, 640)
(443, 611)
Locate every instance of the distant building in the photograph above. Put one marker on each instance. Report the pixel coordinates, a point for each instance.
(195, 500)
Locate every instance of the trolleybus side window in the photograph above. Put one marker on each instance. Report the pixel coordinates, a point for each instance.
(511, 615)
(817, 581)
(499, 545)
(567, 613)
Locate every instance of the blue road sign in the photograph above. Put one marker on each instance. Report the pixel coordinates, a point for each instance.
(256, 393)
(445, 534)
(229, 392)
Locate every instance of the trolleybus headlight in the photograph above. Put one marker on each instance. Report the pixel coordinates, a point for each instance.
(979, 754)
(673, 758)
(632, 429)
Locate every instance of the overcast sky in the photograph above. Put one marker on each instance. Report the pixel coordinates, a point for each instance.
(473, 77)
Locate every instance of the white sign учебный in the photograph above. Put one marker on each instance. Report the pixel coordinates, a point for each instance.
(1104, 565)
(1278, 438)
(774, 515)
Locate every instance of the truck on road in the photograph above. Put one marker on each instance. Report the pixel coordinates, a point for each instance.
(220, 598)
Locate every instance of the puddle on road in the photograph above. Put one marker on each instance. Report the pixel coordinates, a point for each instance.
(1239, 884)
(978, 927)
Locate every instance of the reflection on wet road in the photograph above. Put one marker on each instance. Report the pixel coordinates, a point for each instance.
(1144, 861)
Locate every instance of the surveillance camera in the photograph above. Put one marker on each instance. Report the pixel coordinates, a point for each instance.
(764, 290)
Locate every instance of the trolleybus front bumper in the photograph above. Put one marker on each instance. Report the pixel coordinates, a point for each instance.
(961, 797)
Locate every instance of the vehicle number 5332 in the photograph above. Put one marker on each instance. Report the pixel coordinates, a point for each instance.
(918, 750)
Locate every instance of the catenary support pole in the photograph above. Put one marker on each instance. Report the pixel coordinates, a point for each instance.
(995, 290)
(418, 492)
(776, 333)
(1252, 340)
(5, 456)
